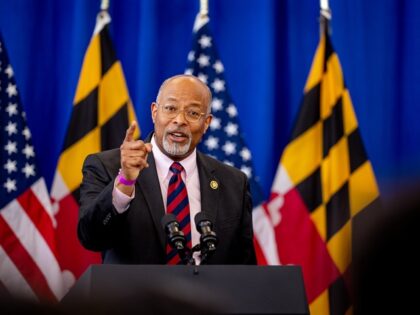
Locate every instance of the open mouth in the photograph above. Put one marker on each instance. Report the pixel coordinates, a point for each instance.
(177, 136)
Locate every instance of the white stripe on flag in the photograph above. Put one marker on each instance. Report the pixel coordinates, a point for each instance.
(11, 277)
(264, 233)
(59, 188)
(35, 245)
(282, 183)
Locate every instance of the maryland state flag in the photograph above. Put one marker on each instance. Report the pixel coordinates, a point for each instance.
(323, 181)
(101, 114)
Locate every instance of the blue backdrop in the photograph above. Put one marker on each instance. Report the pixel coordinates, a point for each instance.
(266, 46)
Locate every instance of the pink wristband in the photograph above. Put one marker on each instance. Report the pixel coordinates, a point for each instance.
(125, 181)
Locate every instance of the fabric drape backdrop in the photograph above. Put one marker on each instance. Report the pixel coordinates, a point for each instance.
(266, 46)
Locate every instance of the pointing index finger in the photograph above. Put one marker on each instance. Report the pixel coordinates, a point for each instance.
(129, 135)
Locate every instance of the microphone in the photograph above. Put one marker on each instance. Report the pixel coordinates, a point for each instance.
(175, 236)
(208, 238)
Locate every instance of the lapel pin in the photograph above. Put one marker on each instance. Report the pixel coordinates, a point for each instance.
(214, 184)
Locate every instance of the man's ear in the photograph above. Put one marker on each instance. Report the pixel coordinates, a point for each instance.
(153, 111)
(207, 122)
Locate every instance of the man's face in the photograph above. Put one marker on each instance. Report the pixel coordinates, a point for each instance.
(177, 137)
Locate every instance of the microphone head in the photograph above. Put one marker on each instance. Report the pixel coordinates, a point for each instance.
(201, 218)
(167, 218)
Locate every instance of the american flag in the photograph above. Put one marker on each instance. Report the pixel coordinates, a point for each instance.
(224, 140)
(28, 264)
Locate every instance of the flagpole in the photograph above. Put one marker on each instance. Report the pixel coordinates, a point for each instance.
(103, 17)
(204, 7)
(104, 5)
(202, 16)
(325, 15)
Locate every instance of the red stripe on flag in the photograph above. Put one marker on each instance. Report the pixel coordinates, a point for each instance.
(40, 218)
(71, 255)
(299, 243)
(24, 262)
(261, 261)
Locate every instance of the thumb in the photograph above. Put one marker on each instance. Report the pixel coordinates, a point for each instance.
(148, 147)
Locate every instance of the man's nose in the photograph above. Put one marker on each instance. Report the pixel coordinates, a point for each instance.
(180, 118)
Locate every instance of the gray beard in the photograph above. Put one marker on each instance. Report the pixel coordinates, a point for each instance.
(176, 149)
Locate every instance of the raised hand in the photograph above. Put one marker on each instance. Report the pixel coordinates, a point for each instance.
(133, 156)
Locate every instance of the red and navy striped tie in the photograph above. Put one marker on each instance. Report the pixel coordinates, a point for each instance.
(178, 204)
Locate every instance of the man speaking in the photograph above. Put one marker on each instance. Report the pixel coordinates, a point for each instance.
(126, 192)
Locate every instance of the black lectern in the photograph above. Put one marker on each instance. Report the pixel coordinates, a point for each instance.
(224, 288)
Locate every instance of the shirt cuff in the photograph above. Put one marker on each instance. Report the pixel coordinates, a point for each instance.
(120, 200)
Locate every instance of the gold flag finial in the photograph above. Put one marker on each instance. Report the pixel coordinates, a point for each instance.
(104, 5)
(204, 7)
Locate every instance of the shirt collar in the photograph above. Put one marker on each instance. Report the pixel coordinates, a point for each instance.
(163, 162)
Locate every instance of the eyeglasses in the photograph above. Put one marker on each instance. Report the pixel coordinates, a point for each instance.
(192, 115)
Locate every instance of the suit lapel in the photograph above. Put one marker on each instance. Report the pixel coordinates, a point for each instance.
(150, 188)
(209, 187)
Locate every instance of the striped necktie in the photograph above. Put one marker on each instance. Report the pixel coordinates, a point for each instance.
(178, 204)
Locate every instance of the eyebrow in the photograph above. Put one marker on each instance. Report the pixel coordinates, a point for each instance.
(194, 103)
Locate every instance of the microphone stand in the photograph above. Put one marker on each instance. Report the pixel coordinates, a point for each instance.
(196, 248)
(208, 246)
(206, 252)
(187, 258)
(183, 255)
